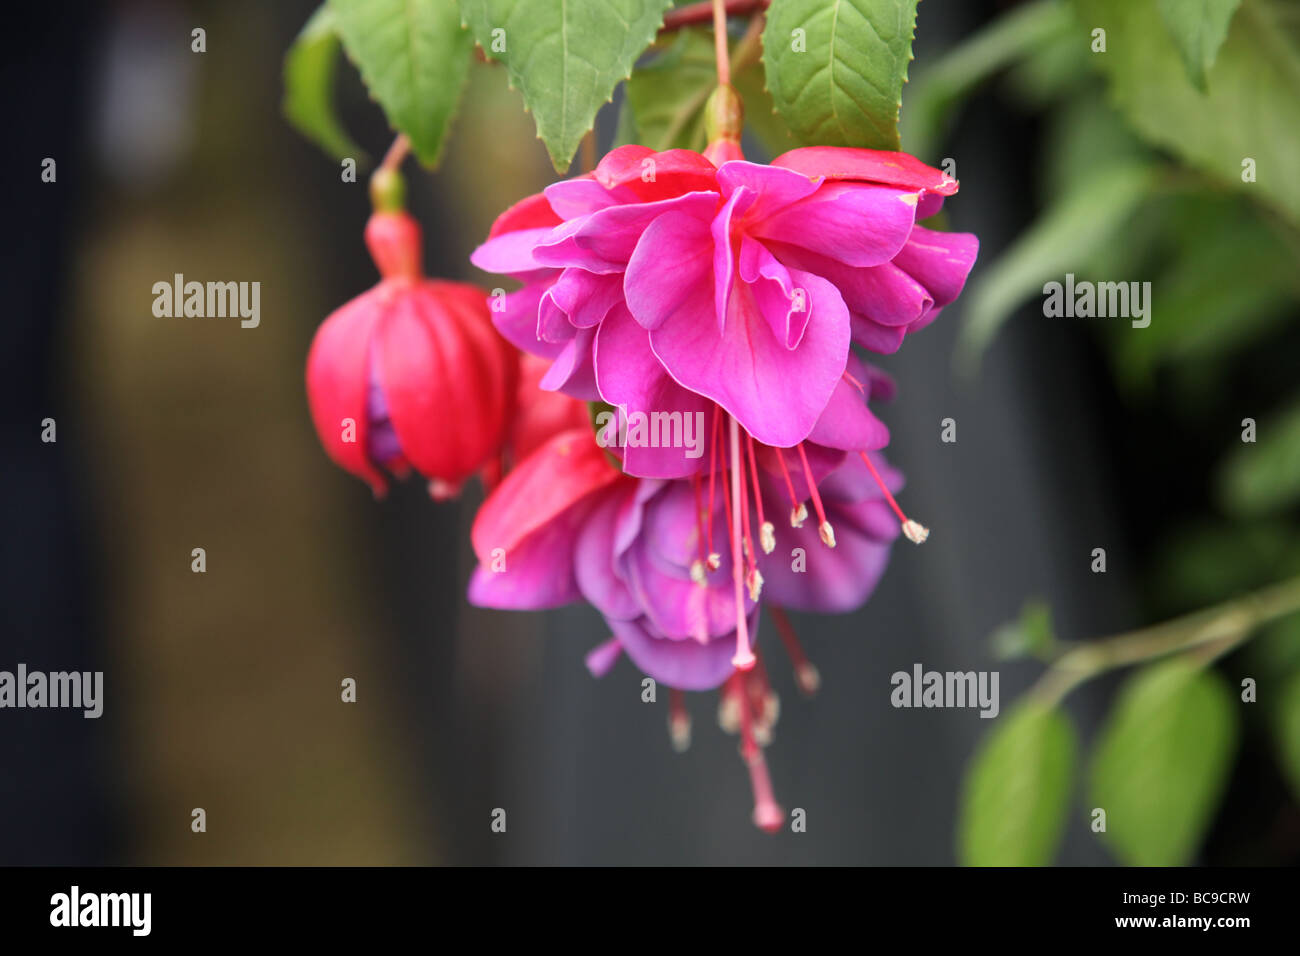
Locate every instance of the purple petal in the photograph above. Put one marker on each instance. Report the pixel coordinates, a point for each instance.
(835, 580)
(594, 566)
(600, 660)
(687, 665)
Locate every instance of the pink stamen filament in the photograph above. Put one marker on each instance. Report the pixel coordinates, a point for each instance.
(789, 485)
(822, 524)
(713, 471)
(914, 531)
(679, 720)
(805, 673)
(888, 497)
(768, 814)
(764, 529)
(744, 658)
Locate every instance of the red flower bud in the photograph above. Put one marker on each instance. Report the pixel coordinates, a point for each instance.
(411, 373)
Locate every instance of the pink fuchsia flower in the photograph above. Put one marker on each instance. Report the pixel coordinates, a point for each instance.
(567, 525)
(410, 373)
(663, 282)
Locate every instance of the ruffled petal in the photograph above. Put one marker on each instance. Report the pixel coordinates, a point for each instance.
(573, 371)
(777, 394)
(773, 189)
(856, 224)
(538, 490)
(669, 270)
(594, 565)
(511, 253)
(940, 261)
(653, 176)
(867, 165)
(603, 241)
(686, 665)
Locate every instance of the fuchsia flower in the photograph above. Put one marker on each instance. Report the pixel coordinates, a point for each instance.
(410, 373)
(728, 293)
(663, 282)
(567, 524)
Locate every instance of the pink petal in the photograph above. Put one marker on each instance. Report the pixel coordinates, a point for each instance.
(857, 224)
(777, 394)
(670, 270)
(603, 241)
(940, 261)
(867, 165)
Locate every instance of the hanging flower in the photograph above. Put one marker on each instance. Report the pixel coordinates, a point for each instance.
(410, 373)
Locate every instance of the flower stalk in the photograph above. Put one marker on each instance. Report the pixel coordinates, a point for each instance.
(1209, 633)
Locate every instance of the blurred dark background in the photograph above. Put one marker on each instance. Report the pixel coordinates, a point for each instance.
(222, 688)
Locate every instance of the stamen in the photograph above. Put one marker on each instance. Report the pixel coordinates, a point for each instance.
(914, 531)
(713, 559)
(798, 513)
(766, 532)
(698, 574)
(729, 704)
(764, 703)
(748, 540)
(768, 815)
(744, 658)
(679, 721)
(805, 674)
(854, 382)
(824, 529)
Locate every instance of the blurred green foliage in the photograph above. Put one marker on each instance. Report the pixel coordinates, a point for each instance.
(1168, 155)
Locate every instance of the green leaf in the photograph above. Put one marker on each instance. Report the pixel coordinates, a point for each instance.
(1161, 762)
(761, 117)
(668, 94)
(1017, 791)
(414, 58)
(309, 68)
(1275, 654)
(1287, 722)
(945, 81)
(1060, 241)
(1198, 315)
(1264, 475)
(836, 68)
(1251, 110)
(1209, 563)
(667, 97)
(1198, 28)
(565, 58)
